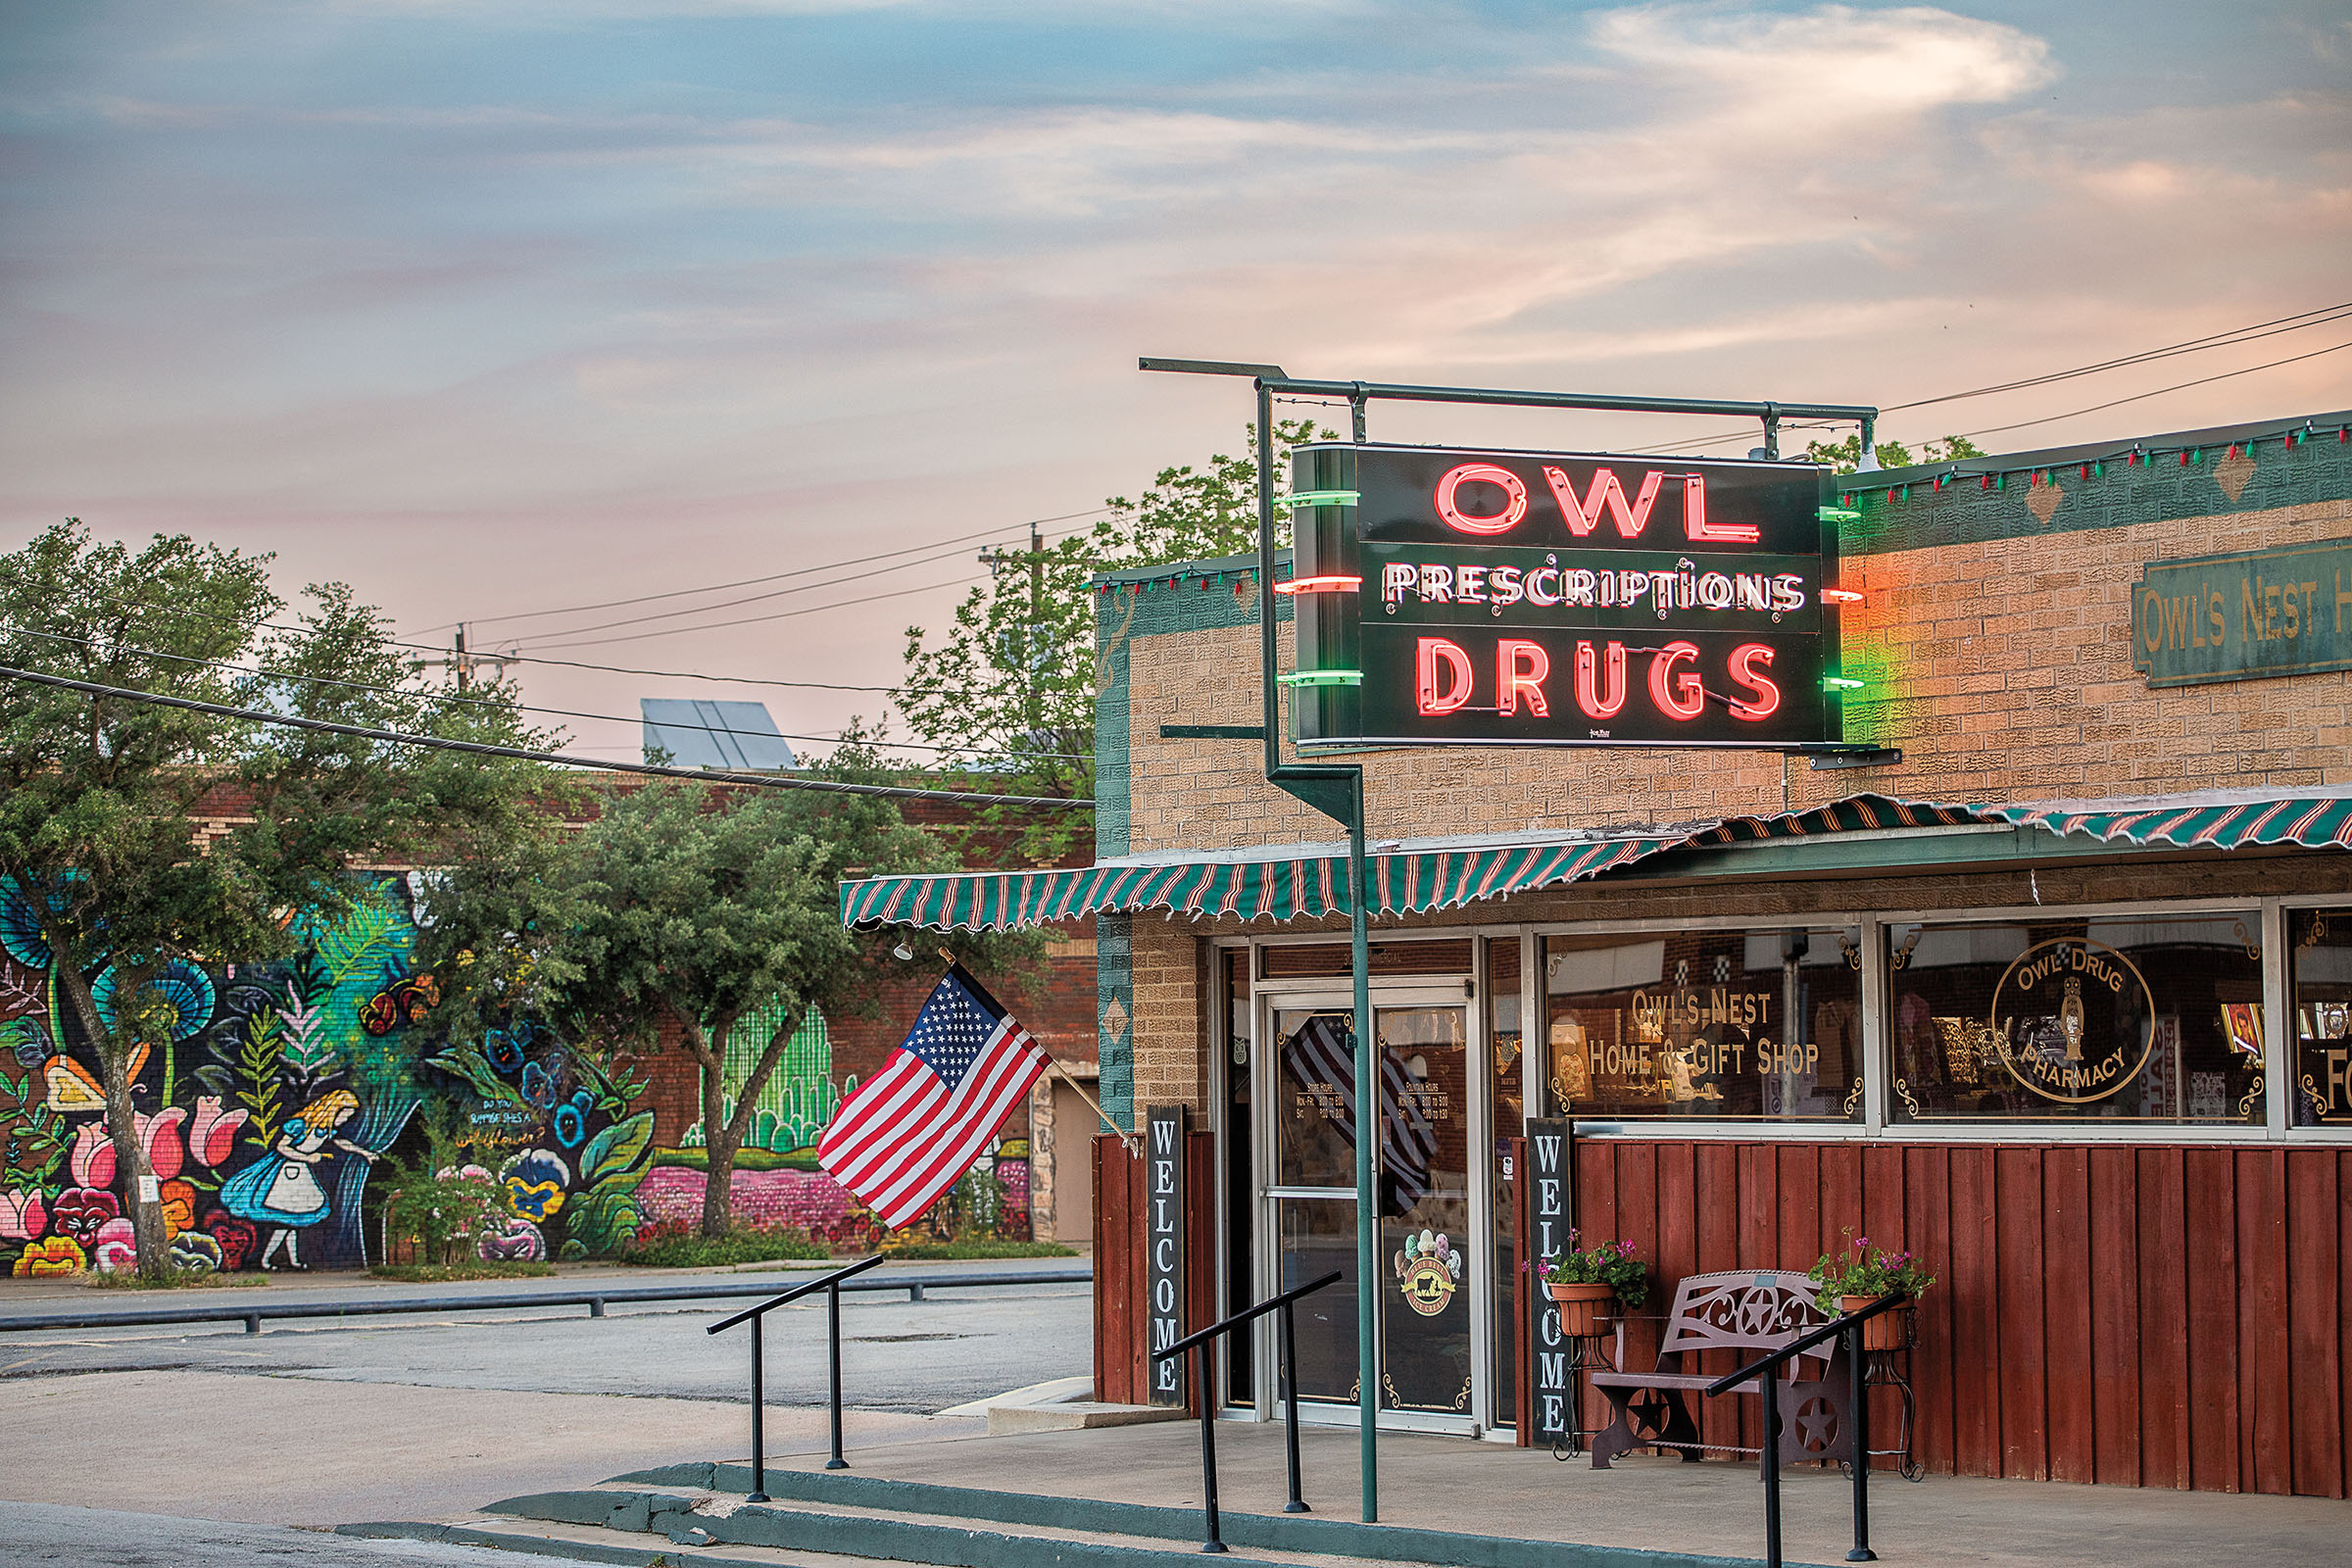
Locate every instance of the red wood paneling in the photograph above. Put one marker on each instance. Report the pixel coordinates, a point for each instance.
(2263, 1368)
(2065, 1297)
(2210, 1287)
(2115, 1348)
(2021, 1266)
(1927, 1174)
(1119, 1266)
(2164, 1428)
(1720, 1204)
(2161, 1316)
(2314, 1334)
(1975, 1358)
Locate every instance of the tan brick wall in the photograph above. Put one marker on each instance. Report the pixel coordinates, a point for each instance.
(1171, 1013)
(2007, 675)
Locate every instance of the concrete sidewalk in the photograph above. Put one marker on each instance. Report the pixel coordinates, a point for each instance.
(1483, 1489)
(69, 1293)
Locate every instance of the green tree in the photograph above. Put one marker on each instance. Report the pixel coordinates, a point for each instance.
(1846, 457)
(138, 835)
(698, 907)
(1010, 688)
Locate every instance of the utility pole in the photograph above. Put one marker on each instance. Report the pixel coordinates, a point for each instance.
(463, 661)
(1036, 612)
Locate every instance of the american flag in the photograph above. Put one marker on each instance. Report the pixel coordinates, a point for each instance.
(1322, 1052)
(907, 1132)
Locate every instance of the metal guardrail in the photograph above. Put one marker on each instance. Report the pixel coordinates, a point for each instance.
(1767, 1370)
(1199, 1343)
(832, 1285)
(253, 1315)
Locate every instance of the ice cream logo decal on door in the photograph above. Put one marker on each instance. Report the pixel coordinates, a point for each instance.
(1429, 1269)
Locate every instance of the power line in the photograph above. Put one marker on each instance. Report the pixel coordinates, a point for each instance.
(2253, 333)
(2162, 390)
(782, 615)
(554, 758)
(752, 598)
(2195, 345)
(749, 582)
(519, 708)
(533, 659)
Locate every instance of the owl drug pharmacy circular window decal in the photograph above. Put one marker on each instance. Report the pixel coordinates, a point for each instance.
(2073, 1020)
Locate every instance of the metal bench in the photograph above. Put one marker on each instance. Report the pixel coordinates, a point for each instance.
(1748, 1312)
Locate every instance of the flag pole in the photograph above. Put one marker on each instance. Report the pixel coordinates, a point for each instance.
(1126, 1138)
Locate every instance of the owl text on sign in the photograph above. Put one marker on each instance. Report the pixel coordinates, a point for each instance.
(1535, 598)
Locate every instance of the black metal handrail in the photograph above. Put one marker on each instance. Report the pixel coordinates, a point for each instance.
(830, 1284)
(1766, 1370)
(253, 1314)
(1198, 1341)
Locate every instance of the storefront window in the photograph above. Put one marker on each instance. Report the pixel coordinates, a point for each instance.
(2073, 1020)
(1742, 1025)
(2321, 941)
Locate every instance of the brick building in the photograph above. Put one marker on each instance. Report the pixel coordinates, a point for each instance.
(1781, 999)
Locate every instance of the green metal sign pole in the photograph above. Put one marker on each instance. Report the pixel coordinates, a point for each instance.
(1338, 792)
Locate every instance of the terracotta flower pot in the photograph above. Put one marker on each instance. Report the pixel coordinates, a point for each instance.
(1890, 1330)
(1581, 1306)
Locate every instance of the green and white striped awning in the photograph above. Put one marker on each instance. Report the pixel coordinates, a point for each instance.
(1420, 876)
(1296, 881)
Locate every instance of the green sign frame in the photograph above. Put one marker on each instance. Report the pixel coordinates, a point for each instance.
(2253, 615)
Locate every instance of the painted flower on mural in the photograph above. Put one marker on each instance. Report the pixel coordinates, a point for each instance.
(535, 1183)
(504, 1049)
(236, 1238)
(179, 1207)
(22, 1215)
(212, 1135)
(115, 1247)
(572, 1119)
(194, 1252)
(542, 1082)
(178, 1004)
(159, 1135)
(93, 1161)
(55, 1255)
(79, 1213)
(517, 1240)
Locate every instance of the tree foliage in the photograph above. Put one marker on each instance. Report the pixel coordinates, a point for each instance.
(1846, 457)
(1009, 688)
(139, 834)
(704, 907)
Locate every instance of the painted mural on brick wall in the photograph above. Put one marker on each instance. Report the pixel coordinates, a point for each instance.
(776, 1180)
(267, 1103)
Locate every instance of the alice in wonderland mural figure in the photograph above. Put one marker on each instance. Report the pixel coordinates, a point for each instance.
(284, 1190)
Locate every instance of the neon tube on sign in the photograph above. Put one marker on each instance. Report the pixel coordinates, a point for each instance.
(1447, 681)
(1684, 587)
(1603, 495)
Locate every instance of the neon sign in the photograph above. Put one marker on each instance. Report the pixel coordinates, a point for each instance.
(1535, 599)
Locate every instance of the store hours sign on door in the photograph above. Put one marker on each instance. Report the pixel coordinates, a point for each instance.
(1500, 598)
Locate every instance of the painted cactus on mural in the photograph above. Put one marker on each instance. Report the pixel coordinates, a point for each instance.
(269, 1094)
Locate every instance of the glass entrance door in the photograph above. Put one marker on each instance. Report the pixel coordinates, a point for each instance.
(1427, 1290)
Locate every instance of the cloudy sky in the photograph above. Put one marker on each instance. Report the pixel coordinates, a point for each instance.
(496, 309)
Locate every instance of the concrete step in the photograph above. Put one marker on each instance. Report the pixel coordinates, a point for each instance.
(838, 1517)
(671, 1529)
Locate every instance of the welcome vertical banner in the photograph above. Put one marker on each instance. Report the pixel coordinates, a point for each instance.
(1163, 1246)
(1550, 1215)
